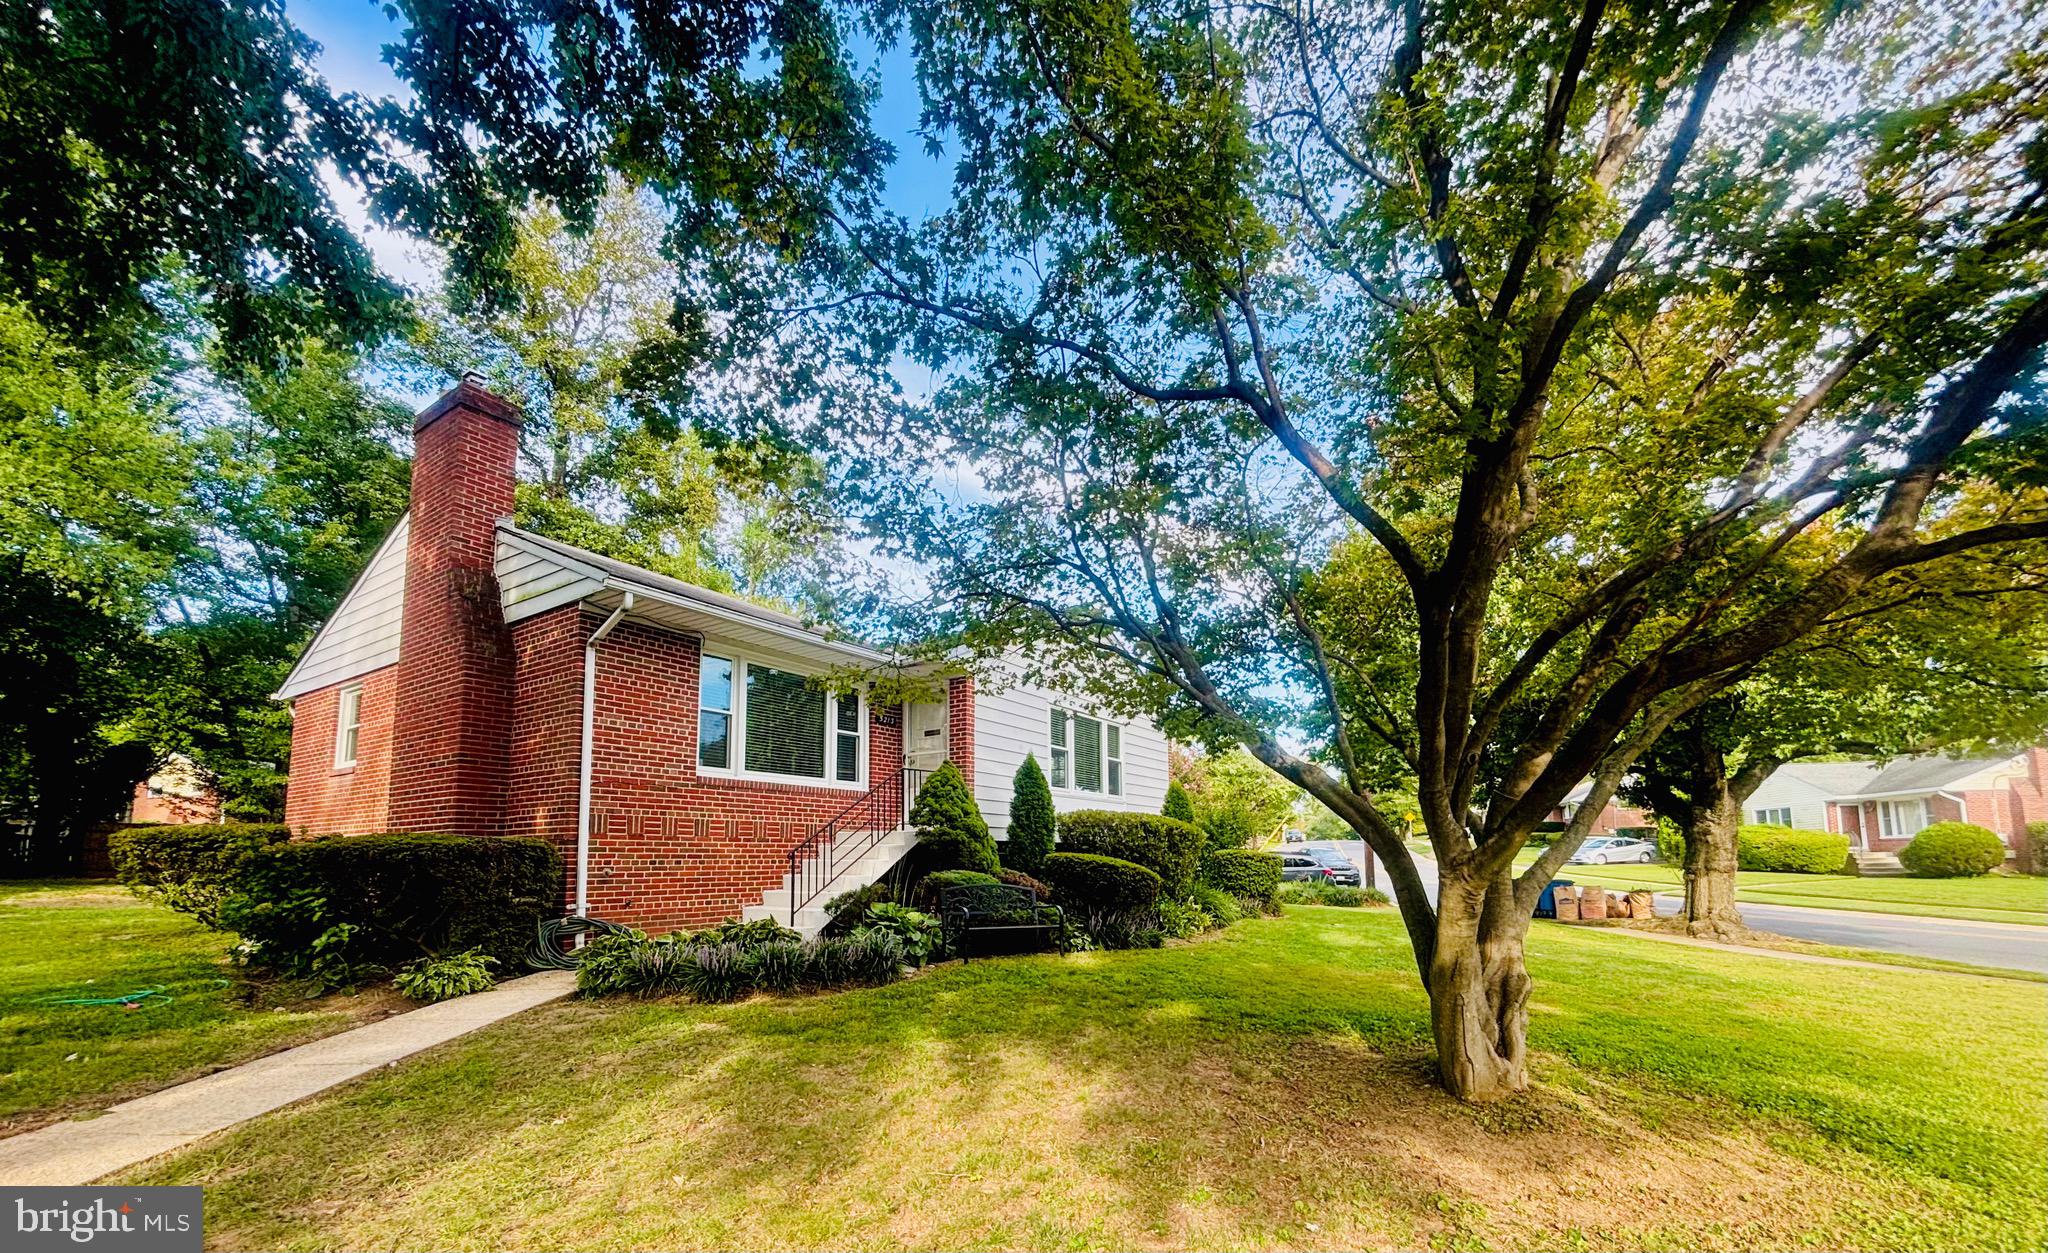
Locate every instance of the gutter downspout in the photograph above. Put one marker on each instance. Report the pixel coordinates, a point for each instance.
(583, 763)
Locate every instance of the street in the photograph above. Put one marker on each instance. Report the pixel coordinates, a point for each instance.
(2012, 946)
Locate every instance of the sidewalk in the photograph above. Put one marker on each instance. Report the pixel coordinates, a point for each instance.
(80, 1151)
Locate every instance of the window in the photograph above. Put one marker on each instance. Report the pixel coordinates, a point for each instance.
(754, 719)
(785, 728)
(846, 727)
(1779, 817)
(714, 713)
(1899, 820)
(348, 727)
(1087, 753)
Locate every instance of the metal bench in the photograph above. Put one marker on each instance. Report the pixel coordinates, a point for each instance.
(973, 909)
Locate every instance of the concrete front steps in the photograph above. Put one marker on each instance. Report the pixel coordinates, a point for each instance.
(870, 866)
(1876, 865)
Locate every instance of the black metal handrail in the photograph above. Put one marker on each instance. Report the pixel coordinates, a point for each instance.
(815, 864)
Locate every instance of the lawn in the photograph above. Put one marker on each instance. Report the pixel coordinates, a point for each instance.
(1991, 898)
(81, 941)
(1267, 1087)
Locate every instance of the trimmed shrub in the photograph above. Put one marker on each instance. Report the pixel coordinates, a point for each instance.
(446, 977)
(1167, 847)
(190, 869)
(1090, 883)
(925, 896)
(950, 830)
(1017, 878)
(1033, 824)
(1242, 873)
(1952, 850)
(1216, 903)
(1179, 805)
(2032, 856)
(340, 906)
(1789, 851)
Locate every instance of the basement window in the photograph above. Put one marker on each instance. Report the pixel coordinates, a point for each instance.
(348, 726)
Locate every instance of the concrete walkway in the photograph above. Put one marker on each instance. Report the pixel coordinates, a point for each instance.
(77, 1152)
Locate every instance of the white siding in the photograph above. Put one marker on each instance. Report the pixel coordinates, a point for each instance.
(1012, 719)
(363, 633)
(1809, 804)
(532, 580)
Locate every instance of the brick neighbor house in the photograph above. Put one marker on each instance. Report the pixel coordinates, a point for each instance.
(672, 741)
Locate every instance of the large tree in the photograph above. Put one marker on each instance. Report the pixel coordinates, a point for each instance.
(1622, 365)
(1955, 659)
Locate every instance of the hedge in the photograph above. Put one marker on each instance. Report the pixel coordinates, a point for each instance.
(1242, 873)
(191, 869)
(2033, 851)
(1168, 847)
(1952, 850)
(1790, 851)
(1091, 883)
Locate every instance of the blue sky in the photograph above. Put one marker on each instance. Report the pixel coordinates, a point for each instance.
(352, 34)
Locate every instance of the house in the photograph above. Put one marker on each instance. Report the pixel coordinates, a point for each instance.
(2001, 793)
(173, 794)
(1612, 817)
(680, 746)
(1802, 793)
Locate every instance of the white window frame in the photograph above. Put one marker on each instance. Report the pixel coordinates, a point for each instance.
(730, 709)
(1888, 824)
(1764, 817)
(1064, 776)
(736, 754)
(348, 727)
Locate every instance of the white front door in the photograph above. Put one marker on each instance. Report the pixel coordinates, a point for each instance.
(924, 735)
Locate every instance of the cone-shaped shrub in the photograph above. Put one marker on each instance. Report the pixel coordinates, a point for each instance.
(950, 831)
(1178, 803)
(1032, 822)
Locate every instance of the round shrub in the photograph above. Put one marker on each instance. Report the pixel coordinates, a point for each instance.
(1017, 878)
(950, 829)
(925, 896)
(1242, 873)
(1790, 851)
(1091, 883)
(1166, 846)
(1952, 850)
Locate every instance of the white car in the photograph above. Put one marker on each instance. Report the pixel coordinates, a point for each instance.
(1601, 850)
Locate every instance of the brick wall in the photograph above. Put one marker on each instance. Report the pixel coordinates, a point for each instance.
(960, 726)
(669, 849)
(322, 800)
(547, 721)
(453, 731)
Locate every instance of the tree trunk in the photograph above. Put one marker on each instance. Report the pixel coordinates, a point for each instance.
(1479, 992)
(1710, 910)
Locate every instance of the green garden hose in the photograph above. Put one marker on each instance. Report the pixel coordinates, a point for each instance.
(548, 952)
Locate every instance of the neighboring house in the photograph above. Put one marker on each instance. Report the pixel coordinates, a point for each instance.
(175, 794)
(672, 741)
(1611, 818)
(2000, 793)
(1800, 794)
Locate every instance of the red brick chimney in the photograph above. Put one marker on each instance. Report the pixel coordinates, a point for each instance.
(452, 724)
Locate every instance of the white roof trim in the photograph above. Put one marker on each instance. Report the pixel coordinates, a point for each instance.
(291, 686)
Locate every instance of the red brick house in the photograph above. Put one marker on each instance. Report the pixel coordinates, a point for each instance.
(2001, 793)
(174, 795)
(674, 742)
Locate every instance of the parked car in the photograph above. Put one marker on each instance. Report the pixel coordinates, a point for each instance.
(1339, 869)
(1601, 850)
(1299, 867)
(1293, 837)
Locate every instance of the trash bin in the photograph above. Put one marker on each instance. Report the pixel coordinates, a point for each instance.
(1546, 904)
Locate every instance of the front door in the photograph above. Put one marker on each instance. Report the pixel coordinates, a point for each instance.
(924, 735)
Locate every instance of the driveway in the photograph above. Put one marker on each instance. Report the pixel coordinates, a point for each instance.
(2012, 946)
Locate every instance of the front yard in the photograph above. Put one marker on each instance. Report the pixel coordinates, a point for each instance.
(91, 944)
(1991, 898)
(1265, 1087)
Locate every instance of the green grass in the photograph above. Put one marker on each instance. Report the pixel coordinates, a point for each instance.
(73, 940)
(1992, 898)
(1265, 1088)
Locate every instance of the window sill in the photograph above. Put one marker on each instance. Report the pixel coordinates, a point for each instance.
(779, 780)
(350, 768)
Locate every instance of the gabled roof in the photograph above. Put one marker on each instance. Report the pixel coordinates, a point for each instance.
(1925, 774)
(1832, 777)
(362, 633)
